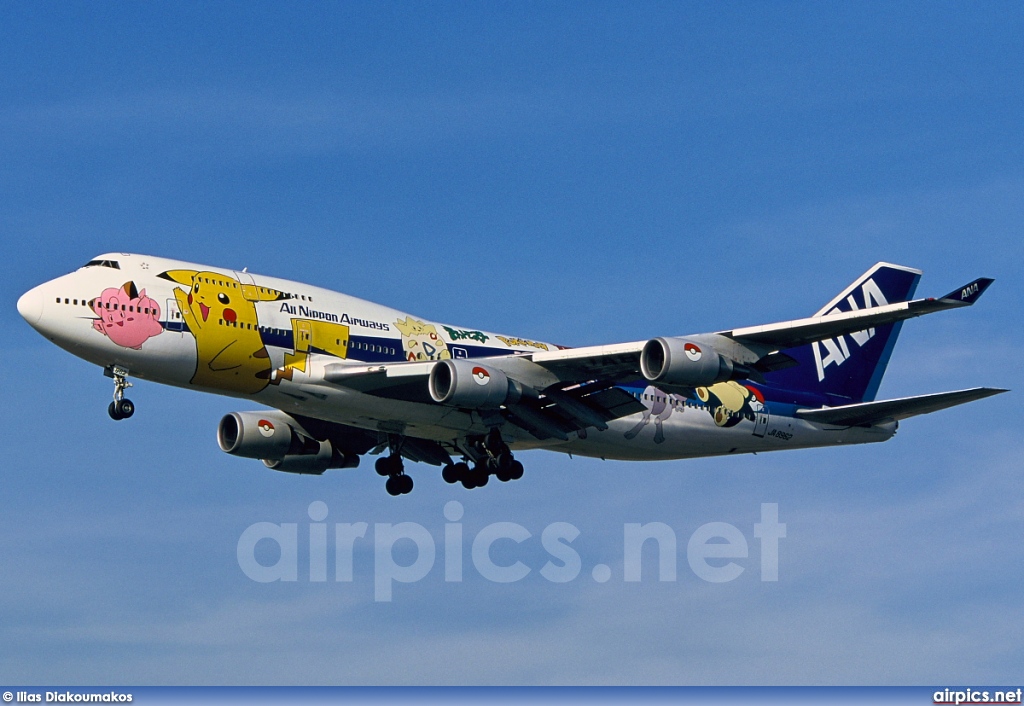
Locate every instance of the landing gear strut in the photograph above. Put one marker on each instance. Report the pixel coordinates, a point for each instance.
(391, 466)
(121, 407)
(493, 457)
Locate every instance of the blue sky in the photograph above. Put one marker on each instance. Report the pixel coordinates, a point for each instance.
(581, 173)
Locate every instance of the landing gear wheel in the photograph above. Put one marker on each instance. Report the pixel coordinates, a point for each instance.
(481, 474)
(472, 477)
(504, 460)
(450, 473)
(515, 471)
(404, 484)
(125, 408)
(394, 485)
(388, 465)
(120, 408)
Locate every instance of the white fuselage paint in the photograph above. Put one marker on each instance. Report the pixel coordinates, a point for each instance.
(170, 358)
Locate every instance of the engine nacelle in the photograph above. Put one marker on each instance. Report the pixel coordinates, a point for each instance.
(468, 384)
(313, 463)
(676, 361)
(257, 435)
(280, 442)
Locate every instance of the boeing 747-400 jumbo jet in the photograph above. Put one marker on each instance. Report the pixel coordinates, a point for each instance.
(343, 377)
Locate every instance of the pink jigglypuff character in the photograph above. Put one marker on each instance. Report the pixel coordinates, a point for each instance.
(128, 317)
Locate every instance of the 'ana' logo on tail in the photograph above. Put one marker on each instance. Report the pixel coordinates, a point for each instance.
(837, 351)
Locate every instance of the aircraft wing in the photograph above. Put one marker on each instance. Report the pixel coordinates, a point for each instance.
(574, 388)
(755, 346)
(790, 334)
(867, 413)
(404, 381)
(614, 362)
(555, 410)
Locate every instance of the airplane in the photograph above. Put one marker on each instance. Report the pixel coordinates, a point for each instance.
(342, 377)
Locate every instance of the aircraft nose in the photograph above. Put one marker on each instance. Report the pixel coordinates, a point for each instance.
(30, 306)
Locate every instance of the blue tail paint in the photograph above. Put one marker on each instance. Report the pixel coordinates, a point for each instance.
(849, 368)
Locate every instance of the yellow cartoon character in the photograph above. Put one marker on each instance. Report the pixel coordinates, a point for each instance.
(729, 402)
(311, 336)
(221, 314)
(421, 341)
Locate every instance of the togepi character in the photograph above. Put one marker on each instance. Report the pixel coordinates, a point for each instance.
(421, 341)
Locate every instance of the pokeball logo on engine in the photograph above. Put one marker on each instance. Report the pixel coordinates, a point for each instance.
(265, 427)
(481, 376)
(692, 352)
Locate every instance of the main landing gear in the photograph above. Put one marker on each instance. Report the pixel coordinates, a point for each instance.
(121, 407)
(493, 457)
(391, 466)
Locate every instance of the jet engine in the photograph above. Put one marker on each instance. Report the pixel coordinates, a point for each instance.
(676, 361)
(326, 456)
(280, 442)
(468, 384)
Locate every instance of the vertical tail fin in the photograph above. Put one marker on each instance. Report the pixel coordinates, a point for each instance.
(850, 368)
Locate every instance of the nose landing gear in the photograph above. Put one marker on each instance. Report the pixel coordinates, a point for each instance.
(121, 407)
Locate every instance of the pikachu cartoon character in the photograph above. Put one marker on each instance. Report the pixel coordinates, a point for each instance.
(221, 313)
(729, 402)
(421, 341)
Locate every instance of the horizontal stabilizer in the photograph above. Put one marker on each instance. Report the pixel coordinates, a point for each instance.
(867, 413)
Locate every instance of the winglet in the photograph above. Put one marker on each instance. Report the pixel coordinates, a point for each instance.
(969, 293)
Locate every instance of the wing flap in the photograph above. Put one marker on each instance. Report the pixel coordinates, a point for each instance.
(867, 413)
(591, 362)
(400, 381)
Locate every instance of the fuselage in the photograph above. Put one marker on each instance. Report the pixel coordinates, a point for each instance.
(269, 340)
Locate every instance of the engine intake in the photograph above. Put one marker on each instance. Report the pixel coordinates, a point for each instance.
(257, 435)
(676, 361)
(470, 385)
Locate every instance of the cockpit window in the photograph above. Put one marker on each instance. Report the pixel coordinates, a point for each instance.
(113, 264)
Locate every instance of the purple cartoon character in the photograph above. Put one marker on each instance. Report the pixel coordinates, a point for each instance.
(128, 317)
